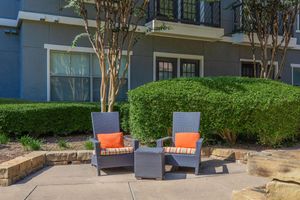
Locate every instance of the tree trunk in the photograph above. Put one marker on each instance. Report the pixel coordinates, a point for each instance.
(103, 87)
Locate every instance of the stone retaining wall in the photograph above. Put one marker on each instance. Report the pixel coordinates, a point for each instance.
(16, 169)
(20, 167)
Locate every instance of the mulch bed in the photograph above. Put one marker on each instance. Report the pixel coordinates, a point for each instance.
(14, 149)
(77, 142)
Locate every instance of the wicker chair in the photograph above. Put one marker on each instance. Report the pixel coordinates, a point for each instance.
(184, 122)
(109, 123)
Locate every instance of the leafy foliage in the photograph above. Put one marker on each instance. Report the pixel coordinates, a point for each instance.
(4, 139)
(30, 143)
(37, 119)
(62, 144)
(89, 145)
(262, 110)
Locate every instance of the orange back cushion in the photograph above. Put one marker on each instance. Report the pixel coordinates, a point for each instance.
(111, 140)
(186, 140)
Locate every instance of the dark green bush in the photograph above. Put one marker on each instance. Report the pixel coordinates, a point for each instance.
(50, 118)
(253, 109)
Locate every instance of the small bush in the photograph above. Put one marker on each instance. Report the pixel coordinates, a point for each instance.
(4, 139)
(89, 145)
(254, 109)
(30, 143)
(62, 144)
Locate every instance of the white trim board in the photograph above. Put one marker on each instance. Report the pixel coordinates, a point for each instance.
(75, 49)
(8, 22)
(53, 47)
(23, 15)
(178, 57)
(294, 66)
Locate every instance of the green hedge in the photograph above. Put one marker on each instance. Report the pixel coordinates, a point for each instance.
(256, 109)
(50, 118)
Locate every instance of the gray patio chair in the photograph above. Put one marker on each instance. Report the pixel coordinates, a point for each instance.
(109, 123)
(184, 122)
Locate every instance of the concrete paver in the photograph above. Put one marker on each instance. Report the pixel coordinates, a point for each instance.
(75, 182)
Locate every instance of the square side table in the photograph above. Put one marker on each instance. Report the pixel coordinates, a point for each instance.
(149, 163)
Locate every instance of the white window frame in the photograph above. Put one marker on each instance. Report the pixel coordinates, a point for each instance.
(298, 24)
(200, 58)
(257, 61)
(293, 66)
(63, 48)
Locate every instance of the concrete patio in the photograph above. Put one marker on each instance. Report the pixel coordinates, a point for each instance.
(76, 182)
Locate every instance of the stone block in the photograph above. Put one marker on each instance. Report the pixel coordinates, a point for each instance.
(37, 158)
(9, 169)
(257, 193)
(206, 151)
(58, 156)
(226, 154)
(278, 190)
(84, 155)
(267, 165)
(5, 182)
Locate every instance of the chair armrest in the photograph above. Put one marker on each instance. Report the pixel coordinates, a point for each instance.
(160, 142)
(199, 146)
(97, 145)
(134, 142)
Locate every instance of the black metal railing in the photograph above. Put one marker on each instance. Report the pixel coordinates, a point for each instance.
(186, 11)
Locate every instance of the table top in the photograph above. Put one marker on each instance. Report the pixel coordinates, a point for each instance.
(150, 150)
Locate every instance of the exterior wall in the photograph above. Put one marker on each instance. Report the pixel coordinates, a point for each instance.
(9, 9)
(9, 52)
(23, 58)
(34, 55)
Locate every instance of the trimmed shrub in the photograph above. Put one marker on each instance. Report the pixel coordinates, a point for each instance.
(37, 119)
(256, 109)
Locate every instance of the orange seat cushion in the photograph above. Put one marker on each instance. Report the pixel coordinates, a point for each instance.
(186, 140)
(111, 140)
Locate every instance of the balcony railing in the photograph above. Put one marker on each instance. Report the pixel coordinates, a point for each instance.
(186, 11)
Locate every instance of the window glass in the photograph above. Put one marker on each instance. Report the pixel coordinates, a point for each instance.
(190, 68)
(76, 76)
(80, 64)
(70, 89)
(296, 76)
(96, 67)
(60, 63)
(166, 68)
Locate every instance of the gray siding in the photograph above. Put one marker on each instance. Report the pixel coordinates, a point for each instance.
(9, 8)
(9, 52)
(9, 65)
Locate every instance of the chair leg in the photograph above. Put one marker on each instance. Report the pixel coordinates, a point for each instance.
(98, 172)
(197, 170)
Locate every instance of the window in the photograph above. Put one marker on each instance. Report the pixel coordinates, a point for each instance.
(166, 8)
(75, 76)
(189, 68)
(296, 75)
(189, 10)
(248, 69)
(168, 66)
